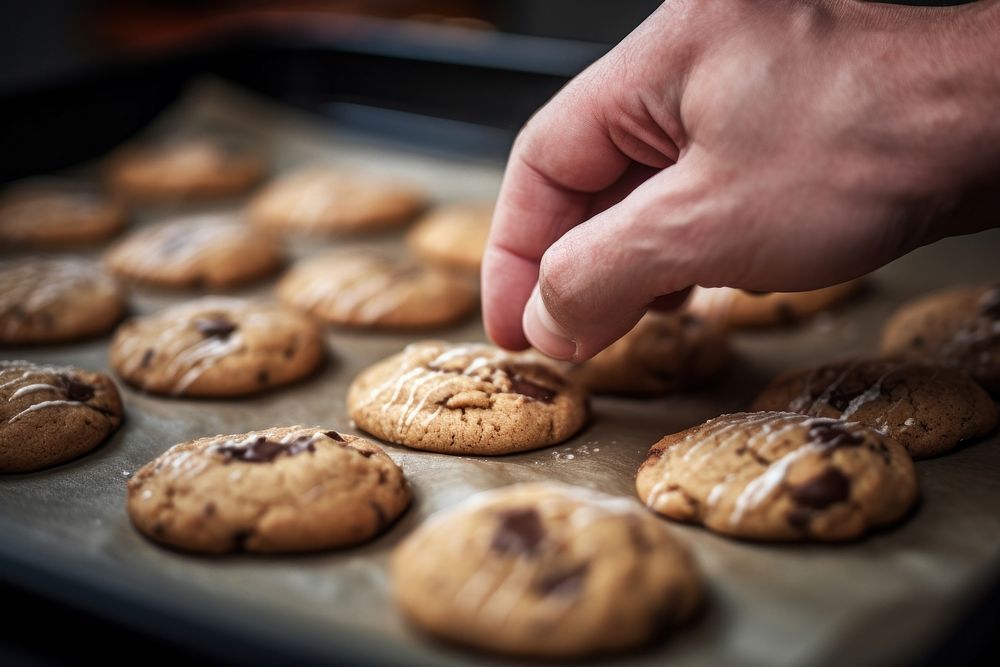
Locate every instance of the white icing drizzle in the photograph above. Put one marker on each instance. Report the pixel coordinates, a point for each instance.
(36, 285)
(20, 378)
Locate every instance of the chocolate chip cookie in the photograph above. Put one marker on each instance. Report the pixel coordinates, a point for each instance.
(216, 346)
(545, 570)
(927, 409)
(779, 476)
(664, 352)
(56, 300)
(957, 327)
(323, 200)
(51, 213)
(185, 168)
(466, 399)
(370, 290)
(741, 309)
(51, 414)
(453, 237)
(277, 490)
(213, 251)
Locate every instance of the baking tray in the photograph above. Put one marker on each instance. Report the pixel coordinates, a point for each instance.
(887, 598)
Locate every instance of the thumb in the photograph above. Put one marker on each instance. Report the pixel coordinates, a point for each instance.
(599, 278)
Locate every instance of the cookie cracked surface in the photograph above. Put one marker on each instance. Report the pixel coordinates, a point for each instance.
(51, 414)
(927, 409)
(779, 476)
(367, 289)
(957, 327)
(545, 570)
(216, 346)
(56, 300)
(276, 490)
(466, 399)
(213, 251)
(323, 200)
(664, 352)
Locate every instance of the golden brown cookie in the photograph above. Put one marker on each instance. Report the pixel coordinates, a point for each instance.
(370, 290)
(213, 251)
(779, 476)
(927, 409)
(216, 346)
(957, 327)
(453, 237)
(740, 309)
(56, 300)
(185, 168)
(545, 570)
(50, 212)
(324, 200)
(51, 414)
(466, 399)
(276, 490)
(664, 352)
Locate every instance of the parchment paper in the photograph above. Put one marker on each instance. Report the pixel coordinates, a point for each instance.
(885, 598)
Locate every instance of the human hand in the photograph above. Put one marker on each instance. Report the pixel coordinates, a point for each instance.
(775, 146)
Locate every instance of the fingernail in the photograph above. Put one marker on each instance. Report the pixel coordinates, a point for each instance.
(543, 332)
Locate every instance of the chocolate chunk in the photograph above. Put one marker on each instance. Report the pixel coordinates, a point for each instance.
(839, 398)
(209, 509)
(564, 583)
(827, 488)
(520, 532)
(380, 516)
(833, 434)
(262, 376)
(76, 390)
(147, 357)
(989, 304)
(799, 517)
(240, 539)
(786, 314)
(262, 450)
(525, 387)
(333, 435)
(215, 327)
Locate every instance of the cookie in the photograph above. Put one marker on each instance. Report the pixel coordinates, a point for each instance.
(741, 309)
(56, 300)
(927, 409)
(47, 213)
(664, 352)
(365, 289)
(545, 570)
(453, 237)
(957, 327)
(466, 399)
(185, 168)
(779, 476)
(216, 346)
(212, 251)
(277, 490)
(51, 414)
(323, 200)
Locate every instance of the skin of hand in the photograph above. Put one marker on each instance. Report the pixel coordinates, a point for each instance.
(769, 146)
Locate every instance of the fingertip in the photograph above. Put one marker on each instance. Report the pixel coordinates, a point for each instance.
(544, 333)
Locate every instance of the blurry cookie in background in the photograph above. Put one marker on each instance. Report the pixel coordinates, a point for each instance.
(216, 346)
(185, 168)
(271, 491)
(50, 212)
(928, 409)
(453, 236)
(663, 353)
(212, 251)
(366, 289)
(740, 309)
(45, 300)
(779, 476)
(547, 571)
(51, 414)
(466, 398)
(957, 327)
(327, 200)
